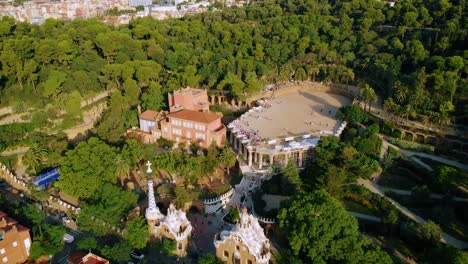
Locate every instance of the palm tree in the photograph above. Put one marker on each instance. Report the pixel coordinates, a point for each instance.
(367, 94)
(122, 167)
(227, 158)
(428, 118)
(313, 71)
(401, 92)
(390, 106)
(348, 75)
(36, 155)
(408, 111)
(442, 119)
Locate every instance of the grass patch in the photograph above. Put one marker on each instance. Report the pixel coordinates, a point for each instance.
(88, 107)
(412, 145)
(397, 181)
(220, 108)
(9, 161)
(357, 207)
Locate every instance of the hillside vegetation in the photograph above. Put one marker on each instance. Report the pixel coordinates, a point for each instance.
(412, 54)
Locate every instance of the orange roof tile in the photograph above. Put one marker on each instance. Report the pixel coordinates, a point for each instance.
(149, 115)
(195, 116)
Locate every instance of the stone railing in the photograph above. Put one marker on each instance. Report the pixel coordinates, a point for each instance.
(219, 198)
(262, 219)
(339, 128)
(66, 205)
(22, 185)
(19, 182)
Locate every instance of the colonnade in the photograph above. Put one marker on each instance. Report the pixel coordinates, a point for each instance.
(263, 156)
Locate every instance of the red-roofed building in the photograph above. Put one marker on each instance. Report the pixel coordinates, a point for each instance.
(188, 98)
(188, 122)
(86, 258)
(188, 127)
(15, 241)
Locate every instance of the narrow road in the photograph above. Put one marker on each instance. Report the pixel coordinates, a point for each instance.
(446, 238)
(20, 150)
(408, 153)
(408, 192)
(365, 216)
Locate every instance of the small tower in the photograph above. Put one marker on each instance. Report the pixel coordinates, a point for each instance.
(245, 243)
(153, 215)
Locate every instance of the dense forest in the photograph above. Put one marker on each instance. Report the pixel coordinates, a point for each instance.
(412, 54)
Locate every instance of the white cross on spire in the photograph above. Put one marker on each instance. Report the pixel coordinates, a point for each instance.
(148, 164)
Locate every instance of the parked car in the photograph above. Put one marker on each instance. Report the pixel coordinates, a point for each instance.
(67, 238)
(136, 254)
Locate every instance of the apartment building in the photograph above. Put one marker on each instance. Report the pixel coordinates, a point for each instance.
(189, 121)
(193, 127)
(15, 241)
(188, 98)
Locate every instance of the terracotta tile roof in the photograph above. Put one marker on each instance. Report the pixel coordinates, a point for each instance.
(77, 257)
(150, 115)
(80, 257)
(195, 116)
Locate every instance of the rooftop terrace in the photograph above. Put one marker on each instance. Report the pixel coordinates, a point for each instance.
(298, 113)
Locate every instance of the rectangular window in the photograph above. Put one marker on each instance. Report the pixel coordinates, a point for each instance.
(189, 135)
(188, 124)
(176, 122)
(199, 127)
(176, 131)
(200, 136)
(15, 244)
(5, 260)
(2, 251)
(165, 129)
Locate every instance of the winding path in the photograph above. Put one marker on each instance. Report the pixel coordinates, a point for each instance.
(446, 238)
(414, 155)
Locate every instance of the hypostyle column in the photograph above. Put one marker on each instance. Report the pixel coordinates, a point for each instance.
(286, 159)
(249, 148)
(260, 161)
(231, 137)
(301, 157)
(245, 152)
(271, 159)
(234, 142)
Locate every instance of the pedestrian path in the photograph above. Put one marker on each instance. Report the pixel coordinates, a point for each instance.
(446, 238)
(408, 153)
(365, 216)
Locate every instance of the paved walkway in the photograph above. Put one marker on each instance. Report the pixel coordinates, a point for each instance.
(377, 110)
(408, 153)
(408, 192)
(365, 216)
(446, 238)
(20, 150)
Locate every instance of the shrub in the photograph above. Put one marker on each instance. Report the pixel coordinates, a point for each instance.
(165, 143)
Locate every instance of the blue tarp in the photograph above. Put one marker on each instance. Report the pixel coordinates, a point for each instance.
(47, 177)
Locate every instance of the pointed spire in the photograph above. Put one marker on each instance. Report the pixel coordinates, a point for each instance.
(152, 212)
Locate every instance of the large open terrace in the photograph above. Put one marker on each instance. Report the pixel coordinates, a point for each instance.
(285, 127)
(297, 113)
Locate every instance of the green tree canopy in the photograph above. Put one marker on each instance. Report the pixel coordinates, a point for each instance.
(86, 168)
(137, 232)
(318, 228)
